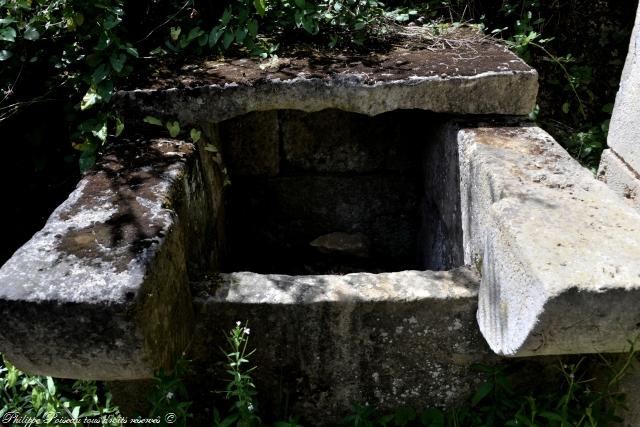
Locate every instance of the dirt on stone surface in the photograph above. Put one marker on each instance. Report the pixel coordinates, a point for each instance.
(463, 52)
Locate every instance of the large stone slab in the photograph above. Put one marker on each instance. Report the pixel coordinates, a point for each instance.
(324, 342)
(624, 129)
(474, 75)
(102, 291)
(558, 250)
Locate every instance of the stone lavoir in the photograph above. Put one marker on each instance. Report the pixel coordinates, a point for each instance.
(382, 222)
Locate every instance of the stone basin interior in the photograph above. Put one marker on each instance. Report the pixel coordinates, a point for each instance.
(333, 192)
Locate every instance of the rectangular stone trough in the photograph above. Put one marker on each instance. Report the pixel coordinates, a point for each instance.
(375, 244)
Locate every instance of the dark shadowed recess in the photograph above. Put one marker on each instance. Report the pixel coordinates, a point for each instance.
(380, 181)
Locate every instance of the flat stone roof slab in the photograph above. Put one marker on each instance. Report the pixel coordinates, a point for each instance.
(473, 75)
(559, 251)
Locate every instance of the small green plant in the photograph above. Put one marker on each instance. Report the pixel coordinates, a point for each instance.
(170, 395)
(240, 388)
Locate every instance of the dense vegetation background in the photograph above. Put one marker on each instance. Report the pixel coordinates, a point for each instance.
(60, 61)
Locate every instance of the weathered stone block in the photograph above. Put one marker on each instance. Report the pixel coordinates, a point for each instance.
(392, 339)
(623, 180)
(560, 252)
(624, 129)
(102, 290)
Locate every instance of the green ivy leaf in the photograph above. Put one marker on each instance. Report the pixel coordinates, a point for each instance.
(31, 33)
(5, 54)
(227, 39)
(99, 74)
(252, 27)
(607, 108)
(111, 22)
(101, 133)
(226, 16)
(117, 61)
(78, 18)
(105, 90)
(152, 120)
(130, 50)
(261, 6)
(103, 42)
(195, 135)
(175, 33)
(240, 35)
(119, 126)
(173, 127)
(214, 35)
(51, 387)
(89, 99)
(8, 34)
(565, 108)
(87, 158)
(194, 34)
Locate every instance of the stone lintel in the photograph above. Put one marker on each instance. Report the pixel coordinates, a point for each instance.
(101, 292)
(560, 252)
(473, 76)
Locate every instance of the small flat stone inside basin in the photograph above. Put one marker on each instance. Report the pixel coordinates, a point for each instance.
(334, 192)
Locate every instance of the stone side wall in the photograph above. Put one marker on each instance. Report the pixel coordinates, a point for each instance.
(102, 292)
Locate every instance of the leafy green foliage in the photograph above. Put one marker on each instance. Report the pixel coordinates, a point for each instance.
(58, 44)
(42, 398)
